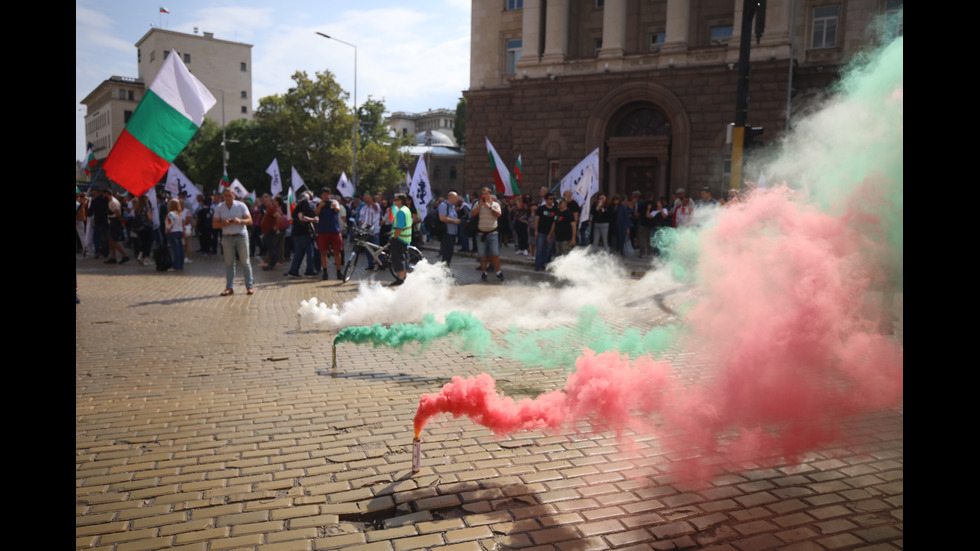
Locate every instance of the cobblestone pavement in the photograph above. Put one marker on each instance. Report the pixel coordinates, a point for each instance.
(213, 423)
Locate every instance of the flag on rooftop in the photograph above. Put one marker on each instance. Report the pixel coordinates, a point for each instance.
(501, 177)
(166, 118)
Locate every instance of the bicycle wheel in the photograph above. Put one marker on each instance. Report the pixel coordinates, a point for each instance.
(351, 265)
(414, 257)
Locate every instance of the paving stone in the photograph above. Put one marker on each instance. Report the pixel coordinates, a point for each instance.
(251, 440)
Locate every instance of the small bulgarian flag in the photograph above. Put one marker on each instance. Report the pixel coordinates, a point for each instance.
(166, 118)
(164, 10)
(90, 163)
(501, 176)
(517, 177)
(290, 203)
(224, 181)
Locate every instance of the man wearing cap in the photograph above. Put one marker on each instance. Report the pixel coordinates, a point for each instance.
(401, 236)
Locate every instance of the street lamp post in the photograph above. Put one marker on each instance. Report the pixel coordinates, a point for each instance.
(356, 182)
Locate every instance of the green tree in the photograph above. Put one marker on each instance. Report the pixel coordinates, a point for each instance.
(312, 127)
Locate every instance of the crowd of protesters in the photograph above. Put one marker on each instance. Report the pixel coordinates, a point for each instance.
(112, 226)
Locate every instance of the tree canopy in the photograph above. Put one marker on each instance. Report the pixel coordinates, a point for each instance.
(311, 127)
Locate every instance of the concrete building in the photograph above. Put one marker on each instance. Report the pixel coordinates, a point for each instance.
(650, 83)
(436, 120)
(109, 107)
(224, 67)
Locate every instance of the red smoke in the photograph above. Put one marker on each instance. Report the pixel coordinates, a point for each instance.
(787, 315)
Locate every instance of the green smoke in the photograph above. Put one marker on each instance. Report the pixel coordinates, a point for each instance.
(548, 348)
(475, 337)
(560, 347)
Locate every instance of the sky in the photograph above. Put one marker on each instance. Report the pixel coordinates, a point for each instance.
(413, 55)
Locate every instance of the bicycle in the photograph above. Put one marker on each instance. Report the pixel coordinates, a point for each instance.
(381, 256)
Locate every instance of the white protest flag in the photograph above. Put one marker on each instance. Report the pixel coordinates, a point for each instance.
(276, 185)
(419, 189)
(574, 176)
(155, 206)
(176, 182)
(344, 187)
(586, 188)
(238, 188)
(297, 182)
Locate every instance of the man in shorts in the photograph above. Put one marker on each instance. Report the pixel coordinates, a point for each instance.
(487, 239)
(328, 237)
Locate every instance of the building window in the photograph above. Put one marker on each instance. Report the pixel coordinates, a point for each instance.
(657, 40)
(126, 115)
(153, 55)
(244, 67)
(600, 3)
(122, 94)
(129, 95)
(596, 46)
(515, 5)
(166, 54)
(187, 58)
(721, 34)
(825, 27)
(244, 94)
(513, 56)
(244, 109)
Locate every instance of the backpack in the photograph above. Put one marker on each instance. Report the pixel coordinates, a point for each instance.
(433, 225)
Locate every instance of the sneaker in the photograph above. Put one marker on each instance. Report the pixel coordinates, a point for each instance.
(147, 262)
(188, 261)
(290, 274)
(139, 257)
(111, 261)
(396, 283)
(124, 260)
(325, 276)
(483, 277)
(500, 276)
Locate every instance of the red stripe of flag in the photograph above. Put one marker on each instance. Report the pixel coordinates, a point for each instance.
(133, 162)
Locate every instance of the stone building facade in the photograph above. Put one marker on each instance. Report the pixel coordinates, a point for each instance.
(650, 83)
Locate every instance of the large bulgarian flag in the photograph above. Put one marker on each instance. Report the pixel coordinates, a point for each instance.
(501, 176)
(166, 119)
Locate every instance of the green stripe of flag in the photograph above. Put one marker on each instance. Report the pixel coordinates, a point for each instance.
(160, 127)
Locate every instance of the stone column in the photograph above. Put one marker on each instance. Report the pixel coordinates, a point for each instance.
(613, 29)
(555, 34)
(677, 39)
(531, 33)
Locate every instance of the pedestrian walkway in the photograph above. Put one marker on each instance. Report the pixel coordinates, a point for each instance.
(213, 423)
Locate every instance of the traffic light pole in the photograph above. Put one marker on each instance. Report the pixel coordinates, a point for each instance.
(750, 9)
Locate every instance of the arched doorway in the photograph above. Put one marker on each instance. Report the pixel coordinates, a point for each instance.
(638, 146)
(643, 134)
